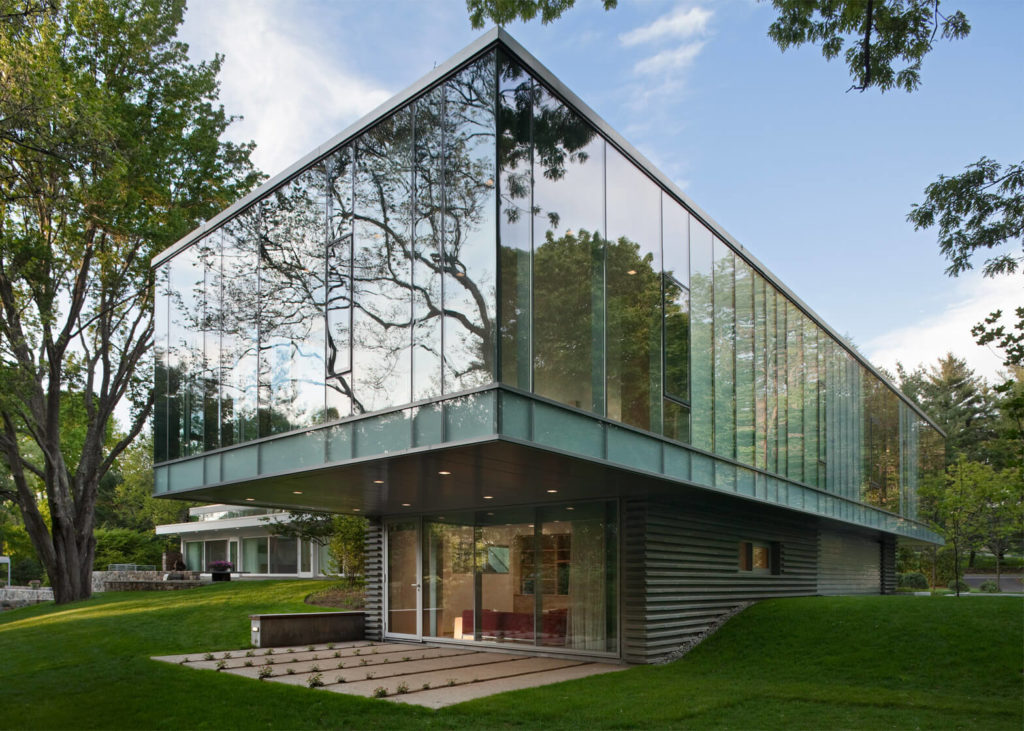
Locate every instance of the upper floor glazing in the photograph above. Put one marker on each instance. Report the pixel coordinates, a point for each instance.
(485, 231)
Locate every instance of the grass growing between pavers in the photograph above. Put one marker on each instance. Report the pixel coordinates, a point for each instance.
(849, 662)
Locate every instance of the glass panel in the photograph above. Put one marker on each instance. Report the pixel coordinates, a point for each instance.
(239, 302)
(161, 323)
(306, 558)
(771, 372)
(676, 240)
(782, 383)
(339, 170)
(194, 556)
(284, 555)
(186, 282)
(216, 551)
(576, 568)
(515, 185)
(568, 258)
(449, 588)
(745, 364)
(233, 554)
(382, 266)
(292, 297)
(795, 391)
(725, 350)
(254, 555)
(403, 588)
(427, 275)
(881, 444)
(506, 561)
(677, 340)
(633, 292)
(677, 421)
(208, 251)
(810, 402)
(701, 335)
(469, 225)
(760, 375)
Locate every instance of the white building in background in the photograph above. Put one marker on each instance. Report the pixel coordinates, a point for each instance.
(242, 536)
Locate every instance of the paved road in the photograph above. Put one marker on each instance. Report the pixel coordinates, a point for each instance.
(1008, 582)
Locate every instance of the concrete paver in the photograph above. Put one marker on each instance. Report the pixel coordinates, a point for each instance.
(429, 675)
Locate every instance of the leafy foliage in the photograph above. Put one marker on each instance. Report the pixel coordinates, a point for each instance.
(979, 210)
(503, 12)
(345, 535)
(123, 545)
(879, 35)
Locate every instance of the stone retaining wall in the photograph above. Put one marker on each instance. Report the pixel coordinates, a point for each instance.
(22, 596)
(101, 580)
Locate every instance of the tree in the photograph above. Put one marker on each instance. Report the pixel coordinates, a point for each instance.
(503, 12)
(109, 152)
(880, 33)
(960, 402)
(345, 534)
(958, 504)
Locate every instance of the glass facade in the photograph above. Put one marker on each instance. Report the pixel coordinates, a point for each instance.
(486, 232)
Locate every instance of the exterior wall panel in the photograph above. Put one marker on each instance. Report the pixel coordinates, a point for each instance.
(374, 580)
(681, 564)
(848, 564)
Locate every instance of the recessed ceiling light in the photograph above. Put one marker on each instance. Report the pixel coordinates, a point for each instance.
(488, 497)
(355, 510)
(570, 508)
(552, 491)
(443, 472)
(490, 513)
(378, 482)
(296, 492)
(250, 499)
(406, 505)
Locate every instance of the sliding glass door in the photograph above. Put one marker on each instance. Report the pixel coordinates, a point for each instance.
(525, 576)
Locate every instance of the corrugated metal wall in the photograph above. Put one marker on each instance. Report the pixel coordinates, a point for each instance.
(374, 579)
(681, 567)
(848, 564)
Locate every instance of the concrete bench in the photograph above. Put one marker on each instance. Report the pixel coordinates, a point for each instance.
(307, 628)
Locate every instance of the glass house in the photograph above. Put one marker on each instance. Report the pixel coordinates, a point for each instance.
(579, 415)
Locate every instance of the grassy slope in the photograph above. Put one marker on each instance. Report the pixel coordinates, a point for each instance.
(853, 662)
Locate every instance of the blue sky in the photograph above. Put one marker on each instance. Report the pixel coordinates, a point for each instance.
(814, 181)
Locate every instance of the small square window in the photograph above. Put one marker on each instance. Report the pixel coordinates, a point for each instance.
(759, 557)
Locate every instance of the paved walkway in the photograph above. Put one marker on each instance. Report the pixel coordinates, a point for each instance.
(427, 675)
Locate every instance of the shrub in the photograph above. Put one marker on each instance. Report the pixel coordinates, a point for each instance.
(961, 585)
(913, 580)
(990, 586)
(122, 545)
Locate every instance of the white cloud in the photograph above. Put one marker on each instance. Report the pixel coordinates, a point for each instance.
(949, 330)
(280, 74)
(680, 23)
(671, 60)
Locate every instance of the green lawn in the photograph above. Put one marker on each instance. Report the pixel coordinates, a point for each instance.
(851, 662)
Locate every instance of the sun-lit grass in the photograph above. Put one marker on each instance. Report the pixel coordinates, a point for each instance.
(851, 662)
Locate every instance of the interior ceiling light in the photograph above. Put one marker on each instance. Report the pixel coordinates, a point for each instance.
(443, 472)
(250, 499)
(552, 491)
(356, 510)
(631, 272)
(378, 482)
(296, 492)
(406, 505)
(570, 508)
(488, 497)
